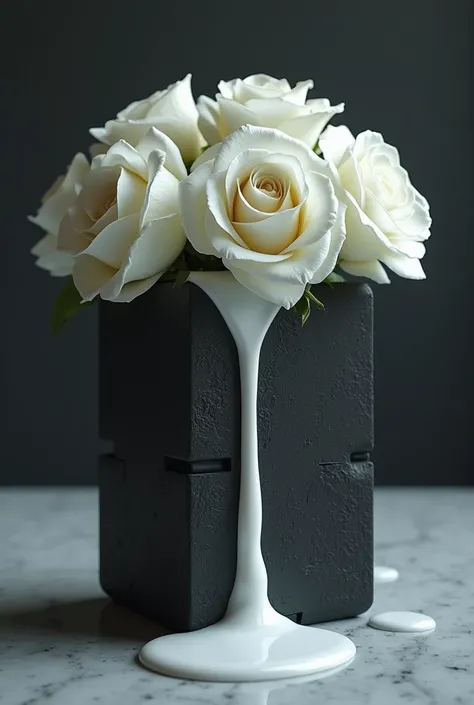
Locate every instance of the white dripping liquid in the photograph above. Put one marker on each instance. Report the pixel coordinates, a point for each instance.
(252, 642)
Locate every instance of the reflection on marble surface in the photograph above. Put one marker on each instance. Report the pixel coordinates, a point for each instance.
(63, 643)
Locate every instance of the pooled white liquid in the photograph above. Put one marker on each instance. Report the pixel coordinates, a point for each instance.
(384, 574)
(402, 622)
(252, 642)
(258, 692)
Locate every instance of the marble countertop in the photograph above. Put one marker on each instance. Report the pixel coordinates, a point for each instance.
(62, 642)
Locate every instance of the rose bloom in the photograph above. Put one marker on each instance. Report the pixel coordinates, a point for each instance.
(387, 220)
(266, 205)
(268, 102)
(54, 206)
(124, 228)
(172, 111)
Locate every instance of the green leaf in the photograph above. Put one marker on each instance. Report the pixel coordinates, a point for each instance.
(196, 261)
(311, 297)
(66, 305)
(334, 278)
(181, 278)
(302, 308)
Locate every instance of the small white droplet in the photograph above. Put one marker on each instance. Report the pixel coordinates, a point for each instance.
(385, 574)
(402, 622)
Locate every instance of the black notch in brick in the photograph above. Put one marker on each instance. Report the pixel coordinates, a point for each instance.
(193, 467)
(360, 457)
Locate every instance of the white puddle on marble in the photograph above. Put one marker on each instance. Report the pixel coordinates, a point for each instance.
(385, 574)
(402, 622)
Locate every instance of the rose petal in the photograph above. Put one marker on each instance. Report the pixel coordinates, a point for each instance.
(217, 204)
(124, 155)
(418, 224)
(263, 138)
(45, 246)
(403, 266)
(99, 133)
(138, 109)
(131, 190)
(107, 218)
(183, 134)
(408, 247)
(365, 141)
(287, 165)
(227, 248)
(161, 198)
(299, 93)
(98, 149)
(192, 205)
(308, 127)
(61, 196)
(364, 240)
(233, 115)
(393, 228)
(335, 142)
(273, 234)
(371, 270)
(320, 211)
(130, 131)
(177, 99)
(69, 239)
(285, 294)
(209, 119)
(58, 264)
(156, 140)
(156, 248)
(272, 112)
(131, 290)
(260, 85)
(98, 194)
(227, 88)
(336, 239)
(111, 246)
(243, 212)
(90, 276)
(207, 156)
(351, 179)
(299, 266)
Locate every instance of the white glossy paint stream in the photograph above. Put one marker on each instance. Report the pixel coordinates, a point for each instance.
(252, 642)
(385, 574)
(402, 622)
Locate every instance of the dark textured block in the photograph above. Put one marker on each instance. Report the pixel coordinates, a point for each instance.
(170, 403)
(168, 542)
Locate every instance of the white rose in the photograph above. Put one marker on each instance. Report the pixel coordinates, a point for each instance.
(267, 102)
(265, 204)
(55, 204)
(387, 220)
(172, 111)
(124, 228)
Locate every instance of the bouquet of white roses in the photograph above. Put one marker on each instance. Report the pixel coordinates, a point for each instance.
(254, 182)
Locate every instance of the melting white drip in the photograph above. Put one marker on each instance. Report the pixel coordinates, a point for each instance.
(402, 622)
(252, 642)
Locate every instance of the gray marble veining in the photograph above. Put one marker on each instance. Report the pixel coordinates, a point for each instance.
(63, 643)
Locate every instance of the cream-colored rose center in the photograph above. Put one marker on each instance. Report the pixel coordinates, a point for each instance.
(265, 210)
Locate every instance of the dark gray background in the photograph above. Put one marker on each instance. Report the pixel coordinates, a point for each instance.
(402, 68)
